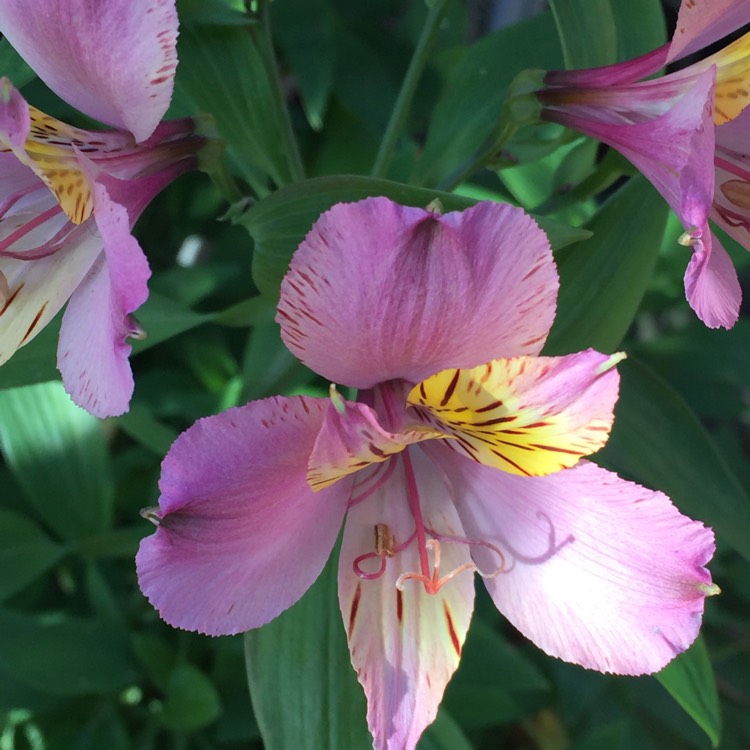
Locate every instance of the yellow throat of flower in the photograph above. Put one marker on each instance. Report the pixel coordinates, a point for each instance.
(50, 153)
(732, 79)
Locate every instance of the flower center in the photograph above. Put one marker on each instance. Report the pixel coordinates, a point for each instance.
(427, 541)
(736, 192)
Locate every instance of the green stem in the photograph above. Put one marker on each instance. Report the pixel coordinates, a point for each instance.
(263, 39)
(408, 87)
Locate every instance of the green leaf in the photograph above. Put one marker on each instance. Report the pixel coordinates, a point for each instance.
(222, 72)
(63, 656)
(305, 33)
(444, 734)
(162, 318)
(689, 679)
(587, 31)
(35, 362)
(495, 683)
(13, 66)
(603, 280)
(600, 32)
(58, 455)
(640, 26)
(192, 701)
(280, 222)
(658, 441)
(304, 690)
(469, 109)
(26, 552)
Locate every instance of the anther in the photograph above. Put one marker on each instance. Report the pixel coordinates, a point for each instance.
(135, 330)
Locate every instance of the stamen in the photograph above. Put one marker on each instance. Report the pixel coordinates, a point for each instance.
(434, 583)
(383, 473)
(337, 399)
(151, 514)
(385, 547)
(477, 543)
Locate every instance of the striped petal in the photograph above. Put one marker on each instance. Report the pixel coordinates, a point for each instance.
(600, 572)
(113, 60)
(702, 22)
(241, 536)
(380, 292)
(351, 438)
(405, 645)
(526, 415)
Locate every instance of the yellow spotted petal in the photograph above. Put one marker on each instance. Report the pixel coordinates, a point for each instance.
(525, 415)
(51, 156)
(732, 79)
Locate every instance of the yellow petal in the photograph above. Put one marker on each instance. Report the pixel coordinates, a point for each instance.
(732, 79)
(54, 160)
(525, 415)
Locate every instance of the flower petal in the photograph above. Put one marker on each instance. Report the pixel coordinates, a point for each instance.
(241, 535)
(601, 572)
(379, 291)
(526, 415)
(37, 289)
(405, 645)
(93, 359)
(15, 120)
(351, 438)
(115, 61)
(711, 283)
(702, 22)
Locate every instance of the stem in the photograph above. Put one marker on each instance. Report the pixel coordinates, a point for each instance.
(408, 87)
(262, 35)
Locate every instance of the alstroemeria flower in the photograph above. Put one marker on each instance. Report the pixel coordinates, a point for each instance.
(69, 197)
(669, 128)
(461, 453)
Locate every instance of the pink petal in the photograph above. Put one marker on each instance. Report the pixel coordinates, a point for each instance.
(93, 350)
(405, 645)
(241, 535)
(351, 437)
(702, 22)
(664, 127)
(600, 572)
(379, 291)
(15, 120)
(526, 415)
(629, 71)
(711, 284)
(113, 60)
(37, 289)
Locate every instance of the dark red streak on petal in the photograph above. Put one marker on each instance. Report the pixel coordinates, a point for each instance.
(11, 298)
(399, 605)
(452, 630)
(451, 387)
(33, 325)
(355, 607)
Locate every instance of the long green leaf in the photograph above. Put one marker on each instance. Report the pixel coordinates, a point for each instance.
(603, 280)
(57, 452)
(304, 690)
(600, 32)
(280, 222)
(26, 552)
(689, 679)
(658, 440)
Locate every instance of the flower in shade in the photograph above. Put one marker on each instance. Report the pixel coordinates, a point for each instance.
(670, 128)
(462, 453)
(69, 197)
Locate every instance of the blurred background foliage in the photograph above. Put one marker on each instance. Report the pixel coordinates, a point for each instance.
(86, 664)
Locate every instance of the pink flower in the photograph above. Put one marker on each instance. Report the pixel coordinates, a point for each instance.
(667, 128)
(451, 460)
(69, 197)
